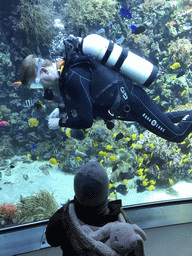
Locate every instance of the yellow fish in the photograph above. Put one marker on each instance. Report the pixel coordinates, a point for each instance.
(112, 185)
(114, 135)
(180, 162)
(170, 163)
(133, 145)
(145, 156)
(190, 171)
(95, 143)
(133, 136)
(183, 156)
(186, 160)
(102, 153)
(68, 132)
(141, 136)
(145, 183)
(175, 65)
(112, 195)
(53, 161)
(140, 160)
(139, 146)
(109, 147)
(171, 181)
(101, 161)
(151, 187)
(146, 170)
(124, 181)
(178, 150)
(122, 149)
(113, 158)
(140, 171)
(157, 167)
(78, 158)
(151, 145)
(156, 98)
(189, 136)
(127, 139)
(183, 92)
(152, 182)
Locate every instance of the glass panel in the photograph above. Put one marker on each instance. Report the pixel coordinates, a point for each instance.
(146, 156)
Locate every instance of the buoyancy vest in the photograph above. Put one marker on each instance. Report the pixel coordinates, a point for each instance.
(103, 78)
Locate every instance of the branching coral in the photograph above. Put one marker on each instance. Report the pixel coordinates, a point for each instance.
(83, 14)
(36, 22)
(39, 206)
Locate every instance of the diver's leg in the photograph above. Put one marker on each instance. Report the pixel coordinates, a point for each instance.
(177, 116)
(144, 112)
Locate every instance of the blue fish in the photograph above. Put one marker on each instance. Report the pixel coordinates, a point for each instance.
(133, 27)
(125, 13)
(33, 147)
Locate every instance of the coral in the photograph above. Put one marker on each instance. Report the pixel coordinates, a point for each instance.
(181, 50)
(85, 14)
(141, 42)
(33, 122)
(36, 23)
(8, 210)
(6, 146)
(161, 161)
(36, 207)
(149, 6)
(5, 112)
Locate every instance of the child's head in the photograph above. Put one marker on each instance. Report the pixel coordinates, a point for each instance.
(48, 73)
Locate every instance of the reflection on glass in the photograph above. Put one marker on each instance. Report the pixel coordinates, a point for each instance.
(37, 165)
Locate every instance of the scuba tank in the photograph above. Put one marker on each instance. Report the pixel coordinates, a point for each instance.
(119, 59)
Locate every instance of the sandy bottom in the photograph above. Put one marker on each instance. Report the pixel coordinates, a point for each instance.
(61, 185)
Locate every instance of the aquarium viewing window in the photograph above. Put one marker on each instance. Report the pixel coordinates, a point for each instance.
(38, 164)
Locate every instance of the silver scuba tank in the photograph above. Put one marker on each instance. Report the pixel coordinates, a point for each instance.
(120, 59)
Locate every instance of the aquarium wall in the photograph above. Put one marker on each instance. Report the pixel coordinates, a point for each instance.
(38, 164)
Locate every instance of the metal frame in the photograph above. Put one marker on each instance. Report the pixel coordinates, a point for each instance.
(31, 237)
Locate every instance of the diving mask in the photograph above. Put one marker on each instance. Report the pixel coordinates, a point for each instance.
(37, 84)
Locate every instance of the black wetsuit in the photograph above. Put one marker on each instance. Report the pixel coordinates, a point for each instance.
(92, 88)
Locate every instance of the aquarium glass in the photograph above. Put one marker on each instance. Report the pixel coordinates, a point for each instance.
(38, 164)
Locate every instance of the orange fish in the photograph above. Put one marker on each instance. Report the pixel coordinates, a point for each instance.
(16, 83)
(171, 23)
(60, 63)
(4, 123)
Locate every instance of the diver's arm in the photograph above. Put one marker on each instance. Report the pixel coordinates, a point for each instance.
(78, 91)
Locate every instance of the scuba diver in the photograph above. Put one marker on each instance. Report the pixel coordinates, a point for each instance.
(101, 79)
(90, 224)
